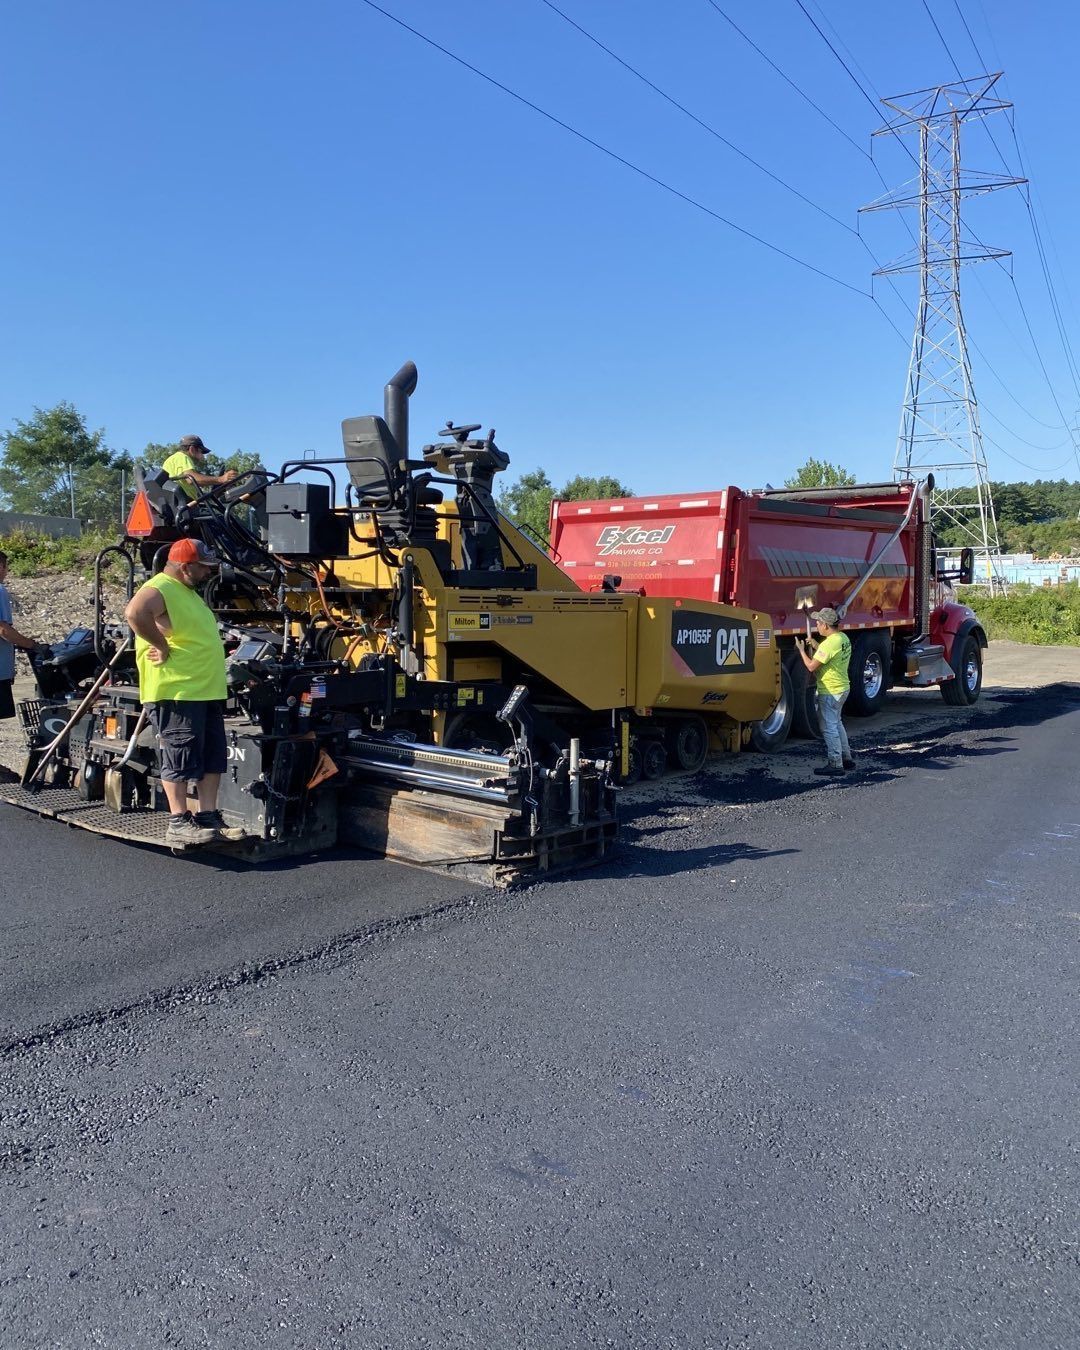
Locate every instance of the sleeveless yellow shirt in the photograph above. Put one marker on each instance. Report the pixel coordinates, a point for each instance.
(195, 670)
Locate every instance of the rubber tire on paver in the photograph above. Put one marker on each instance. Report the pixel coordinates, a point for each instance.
(688, 743)
(805, 720)
(770, 734)
(869, 674)
(653, 759)
(965, 689)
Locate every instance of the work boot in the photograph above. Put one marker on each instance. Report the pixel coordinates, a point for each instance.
(214, 820)
(848, 762)
(830, 770)
(183, 832)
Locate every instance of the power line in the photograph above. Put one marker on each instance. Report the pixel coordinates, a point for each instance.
(948, 52)
(1023, 439)
(1023, 463)
(836, 127)
(612, 154)
(1050, 426)
(712, 131)
(851, 73)
(971, 36)
(788, 80)
(843, 45)
(699, 121)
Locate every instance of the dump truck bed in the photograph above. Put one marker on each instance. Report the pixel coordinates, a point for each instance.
(762, 551)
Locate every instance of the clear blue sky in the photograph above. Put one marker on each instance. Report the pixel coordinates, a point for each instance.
(239, 219)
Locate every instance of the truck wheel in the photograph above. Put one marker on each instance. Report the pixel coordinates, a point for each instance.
(689, 743)
(804, 713)
(869, 675)
(771, 732)
(967, 686)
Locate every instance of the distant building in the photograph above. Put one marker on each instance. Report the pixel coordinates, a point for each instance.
(1025, 567)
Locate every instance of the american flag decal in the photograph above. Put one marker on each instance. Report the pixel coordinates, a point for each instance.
(763, 637)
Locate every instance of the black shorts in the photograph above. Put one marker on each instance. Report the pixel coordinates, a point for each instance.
(7, 703)
(191, 737)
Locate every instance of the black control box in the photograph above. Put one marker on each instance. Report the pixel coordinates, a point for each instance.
(301, 522)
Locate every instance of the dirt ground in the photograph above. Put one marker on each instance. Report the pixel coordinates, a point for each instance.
(1009, 665)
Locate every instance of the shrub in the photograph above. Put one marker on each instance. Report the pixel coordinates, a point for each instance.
(32, 555)
(1048, 616)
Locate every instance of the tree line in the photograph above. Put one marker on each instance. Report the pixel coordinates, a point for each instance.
(52, 464)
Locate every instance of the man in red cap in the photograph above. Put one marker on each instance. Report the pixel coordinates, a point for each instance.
(187, 466)
(182, 684)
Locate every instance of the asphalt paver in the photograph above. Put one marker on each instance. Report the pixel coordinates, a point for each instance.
(798, 1068)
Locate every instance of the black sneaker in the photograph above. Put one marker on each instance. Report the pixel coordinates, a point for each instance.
(215, 821)
(183, 832)
(848, 763)
(830, 771)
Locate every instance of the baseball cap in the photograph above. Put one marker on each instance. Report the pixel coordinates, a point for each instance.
(193, 443)
(192, 551)
(826, 615)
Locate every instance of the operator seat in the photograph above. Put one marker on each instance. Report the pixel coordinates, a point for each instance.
(383, 484)
(166, 495)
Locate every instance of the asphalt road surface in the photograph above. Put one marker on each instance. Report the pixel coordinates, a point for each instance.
(798, 1069)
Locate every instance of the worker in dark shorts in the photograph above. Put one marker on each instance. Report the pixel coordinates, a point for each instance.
(10, 638)
(829, 665)
(181, 664)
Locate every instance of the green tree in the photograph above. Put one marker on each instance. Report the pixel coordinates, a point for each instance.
(54, 465)
(582, 488)
(243, 461)
(156, 453)
(817, 473)
(528, 500)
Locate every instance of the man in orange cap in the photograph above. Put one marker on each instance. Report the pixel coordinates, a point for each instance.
(181, 662)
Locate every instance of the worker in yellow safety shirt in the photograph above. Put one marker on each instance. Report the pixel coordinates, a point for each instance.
(186, 465)
(183, 687)
(829, 665)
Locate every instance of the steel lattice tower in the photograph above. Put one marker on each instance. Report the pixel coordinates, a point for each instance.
(939, 423)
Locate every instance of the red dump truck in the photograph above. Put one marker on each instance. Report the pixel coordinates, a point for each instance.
(867, 551)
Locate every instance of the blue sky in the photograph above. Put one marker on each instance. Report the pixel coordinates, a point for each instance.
(239, 219)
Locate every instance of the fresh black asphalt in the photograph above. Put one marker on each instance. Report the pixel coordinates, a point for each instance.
(798, 1069)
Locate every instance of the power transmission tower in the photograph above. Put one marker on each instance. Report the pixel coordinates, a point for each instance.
(939, 423)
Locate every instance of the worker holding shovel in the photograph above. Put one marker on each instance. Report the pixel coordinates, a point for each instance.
(829, 666)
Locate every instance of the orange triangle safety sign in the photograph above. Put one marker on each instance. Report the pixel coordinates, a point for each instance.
(141, 516)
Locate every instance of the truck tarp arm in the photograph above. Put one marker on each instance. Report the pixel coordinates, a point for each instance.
(922, 492)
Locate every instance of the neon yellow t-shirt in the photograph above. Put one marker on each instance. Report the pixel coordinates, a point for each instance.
(181, 462)
(834, 654)
(195, 670)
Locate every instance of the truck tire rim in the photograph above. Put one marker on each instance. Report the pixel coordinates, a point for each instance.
(772, 724)
(971, 673)
(873, 675)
